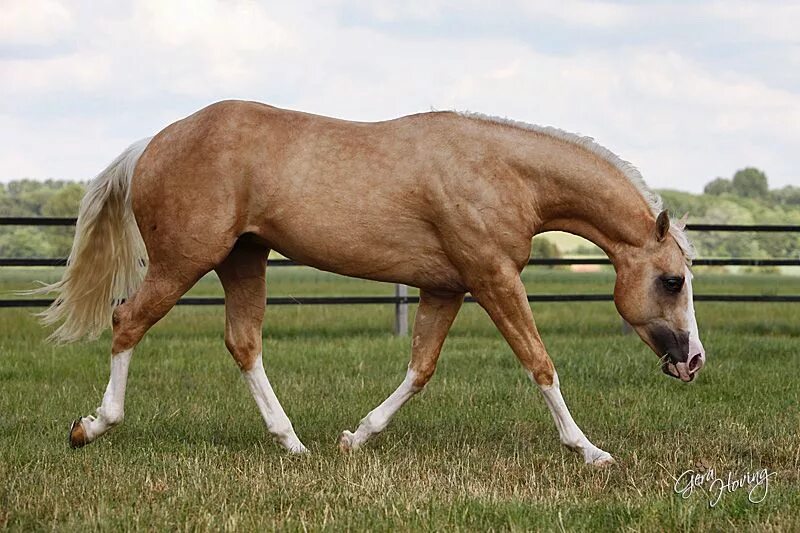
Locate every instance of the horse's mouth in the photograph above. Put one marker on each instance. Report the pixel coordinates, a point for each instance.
(685, 372)
(671, 370)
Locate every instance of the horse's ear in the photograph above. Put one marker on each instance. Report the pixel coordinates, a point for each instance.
(681, 223)
(662, 225)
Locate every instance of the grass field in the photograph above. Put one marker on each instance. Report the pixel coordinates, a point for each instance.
(476, 450)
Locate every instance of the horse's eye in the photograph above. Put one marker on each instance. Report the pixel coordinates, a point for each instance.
(673, 284)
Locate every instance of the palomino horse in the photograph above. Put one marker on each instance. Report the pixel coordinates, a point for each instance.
(443, 201)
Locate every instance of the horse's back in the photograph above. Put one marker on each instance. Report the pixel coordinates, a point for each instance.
(349, 197)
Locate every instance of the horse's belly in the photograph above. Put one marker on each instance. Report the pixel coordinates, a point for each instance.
(383, 252)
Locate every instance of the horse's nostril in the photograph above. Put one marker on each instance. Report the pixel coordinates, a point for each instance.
(695, 362)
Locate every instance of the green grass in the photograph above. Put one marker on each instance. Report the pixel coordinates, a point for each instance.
(476, 450)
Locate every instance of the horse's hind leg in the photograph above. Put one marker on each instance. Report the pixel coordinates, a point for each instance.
(434, 317)
(242, 277)
(161, 289)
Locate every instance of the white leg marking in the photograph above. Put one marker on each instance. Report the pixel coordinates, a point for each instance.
(271, 411)
(112, 410)
(571, 435)
(377, 419)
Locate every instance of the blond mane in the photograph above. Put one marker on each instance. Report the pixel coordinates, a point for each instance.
(652, 198)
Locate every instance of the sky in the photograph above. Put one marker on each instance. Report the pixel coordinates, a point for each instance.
(686, 91)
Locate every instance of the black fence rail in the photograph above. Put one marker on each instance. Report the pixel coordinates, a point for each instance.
(401, 299)
(769, 228)
(550, 261)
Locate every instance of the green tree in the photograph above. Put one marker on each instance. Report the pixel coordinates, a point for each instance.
(38, 198)
(543, 248)
(679, 203)
(63, 202)
(750, 183)
(25, 242)
(786, 196)
(718, 186)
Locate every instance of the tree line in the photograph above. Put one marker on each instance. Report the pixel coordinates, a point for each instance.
(745, 198)
(29, 198)
(751, 182)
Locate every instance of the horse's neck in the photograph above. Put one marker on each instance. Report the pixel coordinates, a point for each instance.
(589, 196)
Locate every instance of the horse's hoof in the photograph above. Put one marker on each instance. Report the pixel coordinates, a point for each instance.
(297, 449)
(604, 460)
(347, 442)
(77, 436)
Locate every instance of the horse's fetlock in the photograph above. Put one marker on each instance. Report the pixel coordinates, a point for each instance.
(111, 415)
(369, 425)
(281, 431)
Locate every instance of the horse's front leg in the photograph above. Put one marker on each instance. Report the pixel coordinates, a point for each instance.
(504, 298)
(435, 315)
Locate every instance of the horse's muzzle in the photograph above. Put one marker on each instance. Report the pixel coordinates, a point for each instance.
(685, 371)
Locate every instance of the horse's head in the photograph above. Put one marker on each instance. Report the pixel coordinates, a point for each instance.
(654, 294)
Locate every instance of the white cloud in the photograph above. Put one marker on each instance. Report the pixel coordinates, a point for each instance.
(581, 12)
(38, 22)
(765, 20)
(654, 100)
(210, 25)
(74, 72)
(573, 12)
(71, 148)
(391, 11)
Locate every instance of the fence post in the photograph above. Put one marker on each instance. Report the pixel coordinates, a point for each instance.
(401, 310)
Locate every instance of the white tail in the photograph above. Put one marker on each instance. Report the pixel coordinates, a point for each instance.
(107, 261)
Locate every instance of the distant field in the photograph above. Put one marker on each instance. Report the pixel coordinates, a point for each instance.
(567, 242)
(476, 450)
